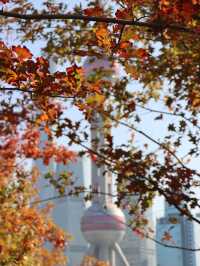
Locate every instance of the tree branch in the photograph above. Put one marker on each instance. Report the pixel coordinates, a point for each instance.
(121, 123)
(120, 37)
(71, 194)
(168, 113)
(112, 195)
(151, 139)
(108, 20)
(32, 91)
(171, 246)
(108, 162)
(164, 147)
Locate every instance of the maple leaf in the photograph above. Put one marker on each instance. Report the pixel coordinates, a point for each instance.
(93, 156)
(194, 99)
(167, 236)
(173, 220)
(42, 118)
(4, 1)
(171, 127)
(132, 71)
(22, 53)
(103, 36)
(141, 53)
(96, 99)
(123, 13)
(93, 11)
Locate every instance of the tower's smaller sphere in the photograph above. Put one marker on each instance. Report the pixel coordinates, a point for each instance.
(103, 226)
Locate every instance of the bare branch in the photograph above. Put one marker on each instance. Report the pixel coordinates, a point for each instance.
(120, 37)
(168, 113)
(112, 195)
(152, 140)
(171, 246)
(122, 123)
(71, 193)
(32, 91)
(109, 20)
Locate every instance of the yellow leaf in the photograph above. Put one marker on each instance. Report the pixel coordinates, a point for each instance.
(10, 74)
(96, 99)
(166, 236)
(103, 37)
(131, 70)
(130, 34)
(42, 118)
(173, 220)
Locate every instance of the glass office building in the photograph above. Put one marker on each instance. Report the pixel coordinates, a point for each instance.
(182, 235)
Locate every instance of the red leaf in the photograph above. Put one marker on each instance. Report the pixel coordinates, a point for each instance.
(141, 53)
(4, 1)
(93, 156)
(166, 236)
(123, 14)
(93, 11)
(22, 52)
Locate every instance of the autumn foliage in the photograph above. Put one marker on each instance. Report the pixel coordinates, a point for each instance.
(25, 229)
(156, 47)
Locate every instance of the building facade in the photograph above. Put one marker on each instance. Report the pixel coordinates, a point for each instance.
(139, 251)
(182, 234)
(69, 210)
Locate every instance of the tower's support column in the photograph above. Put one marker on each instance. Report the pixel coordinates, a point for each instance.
(113, 258)
(121, 254)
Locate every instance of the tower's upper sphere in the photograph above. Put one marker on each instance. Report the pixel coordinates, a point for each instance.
(103, 226)
(93, 65)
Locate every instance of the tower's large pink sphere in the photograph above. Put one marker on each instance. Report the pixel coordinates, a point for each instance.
(101, 225)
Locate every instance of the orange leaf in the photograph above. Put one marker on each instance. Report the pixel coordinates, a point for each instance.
(47, 130)
(103, 37)
(22, 53)
(173, 220)
(141, 53)
(4, 1)
(132, 71)
(96, 99)
(93, 11)
(124, 45)
(167, 236)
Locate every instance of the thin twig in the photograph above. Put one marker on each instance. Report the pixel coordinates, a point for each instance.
(164, 147)
(124, 124)
(46, 16)
(151, 139)
(112, 195)
(171, 246)
(32, 91)
(167, 113)
(120, 37)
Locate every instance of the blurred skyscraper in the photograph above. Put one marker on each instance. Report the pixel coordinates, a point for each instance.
(68, 211)
(140, 252)
(181, 231)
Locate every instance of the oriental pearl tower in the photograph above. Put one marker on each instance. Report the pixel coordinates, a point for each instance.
(103, 224)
